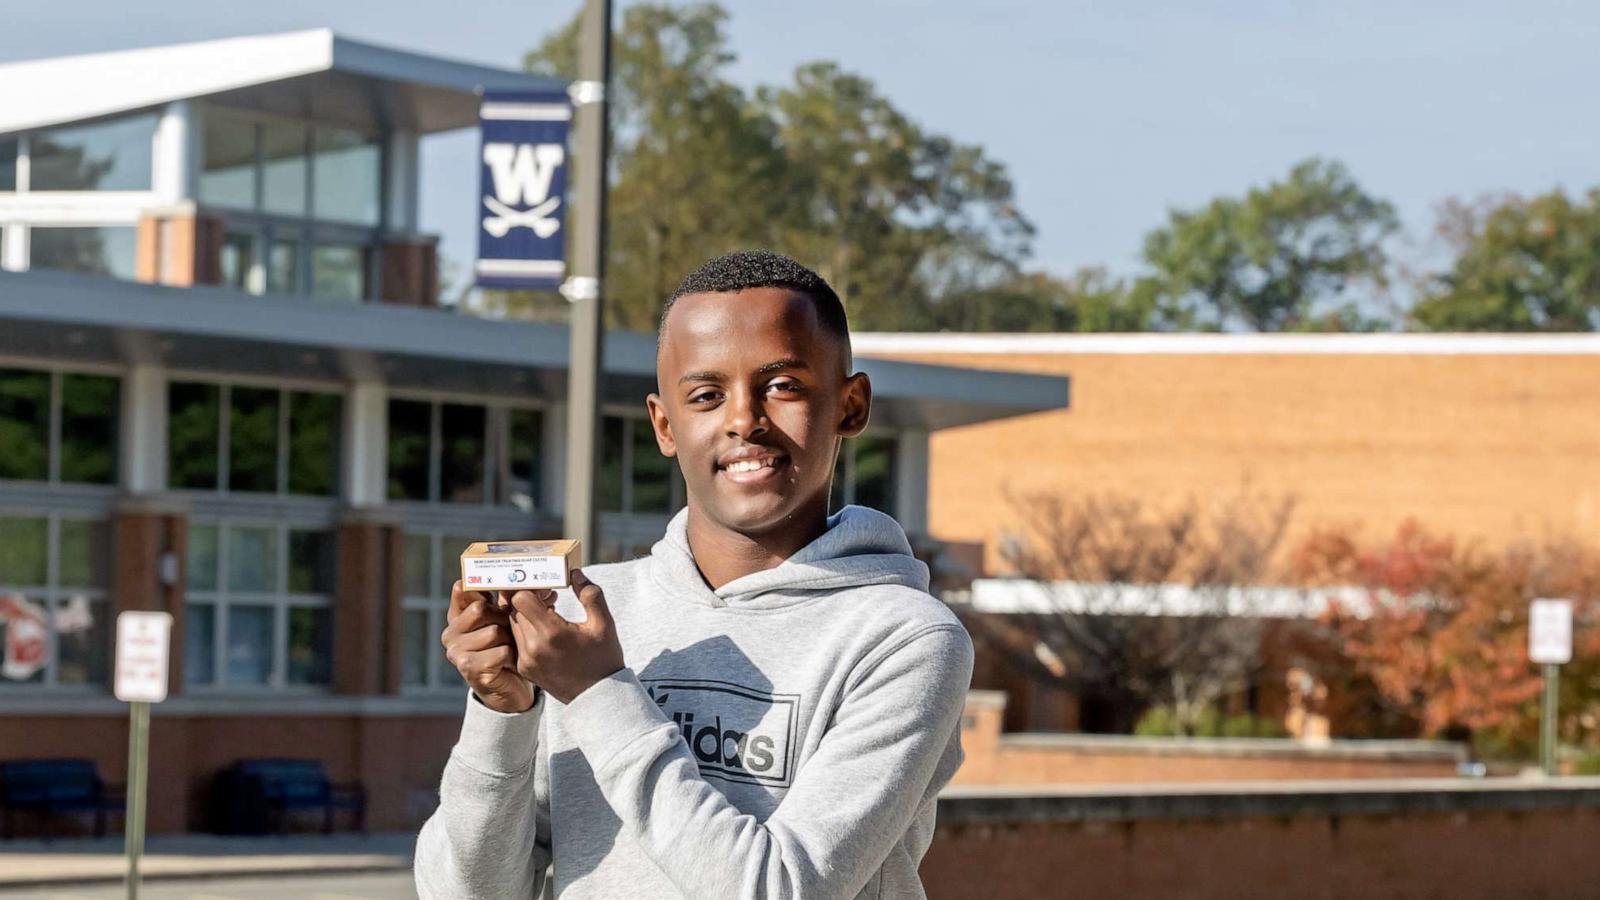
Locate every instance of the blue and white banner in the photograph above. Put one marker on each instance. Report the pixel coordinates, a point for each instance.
(523, 188)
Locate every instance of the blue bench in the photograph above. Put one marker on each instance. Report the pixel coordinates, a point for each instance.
(51, 787)
(278, 787)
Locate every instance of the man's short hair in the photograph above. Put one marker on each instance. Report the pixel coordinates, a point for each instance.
(746, 269)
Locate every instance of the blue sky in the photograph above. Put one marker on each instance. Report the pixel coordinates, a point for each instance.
(1108, 113)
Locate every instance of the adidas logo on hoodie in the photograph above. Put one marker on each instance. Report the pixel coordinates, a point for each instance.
(734, 732)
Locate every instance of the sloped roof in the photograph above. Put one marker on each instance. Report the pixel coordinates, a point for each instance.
(426, 93)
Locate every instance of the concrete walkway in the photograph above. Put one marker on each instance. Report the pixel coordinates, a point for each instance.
(33, 863)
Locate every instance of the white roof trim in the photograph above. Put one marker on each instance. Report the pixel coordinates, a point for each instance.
(1017, 595)
(74, 88)
(871, 343)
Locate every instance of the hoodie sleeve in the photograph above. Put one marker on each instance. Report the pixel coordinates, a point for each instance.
(490, 836)
(894, 742)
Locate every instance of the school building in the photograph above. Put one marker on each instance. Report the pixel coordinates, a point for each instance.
(227, 391)
(1489, 438)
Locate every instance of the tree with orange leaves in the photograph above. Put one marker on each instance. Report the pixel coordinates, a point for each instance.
(1441, 628)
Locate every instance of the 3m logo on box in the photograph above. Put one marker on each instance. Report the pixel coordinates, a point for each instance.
(518, 565)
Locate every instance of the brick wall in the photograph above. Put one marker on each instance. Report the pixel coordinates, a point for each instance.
(1460, 840)
(994, 757)
(1493, 446)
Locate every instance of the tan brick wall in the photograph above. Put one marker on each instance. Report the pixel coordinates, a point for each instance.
(1492, 446)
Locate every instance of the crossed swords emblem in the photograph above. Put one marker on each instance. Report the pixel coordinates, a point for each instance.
(537, 218)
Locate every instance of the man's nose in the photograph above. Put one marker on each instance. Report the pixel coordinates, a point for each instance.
(746, 416)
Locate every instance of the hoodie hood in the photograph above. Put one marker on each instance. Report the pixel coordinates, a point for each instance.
(861, 547)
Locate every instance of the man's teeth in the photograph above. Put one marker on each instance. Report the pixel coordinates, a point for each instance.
(750, 465)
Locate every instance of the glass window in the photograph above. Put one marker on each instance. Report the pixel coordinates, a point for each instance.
(238, 262)
(311, 562)
(89, 412)
(874, 473)
(249, 644)
(203, 559)
(613, 441)
(199, 643)
(313, 443)
(339, 271)
(271, 577)
(253, 440)
(85, 554)
(95, 251)
(24, 425)
(228, 170)
(419, 550)
(415, 645)
(451, 546)
(113, 155)
(652, 472)
(461, 430)
(346, 175)
(283, 173)
(410, 433)
(54, 623)
(310, 644)
(283, 266)
(83, 640)
(8, 164)
(192, 430)
(24, 547)
(433, 564)
(518, 482)
(253, 559)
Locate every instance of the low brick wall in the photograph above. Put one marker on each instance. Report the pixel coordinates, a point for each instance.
(1319, 840)
(997, 758)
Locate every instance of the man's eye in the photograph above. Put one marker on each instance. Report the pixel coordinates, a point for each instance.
(792, 387)
(703, 396)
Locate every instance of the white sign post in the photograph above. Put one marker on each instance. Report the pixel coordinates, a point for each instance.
(1550, 645)
(143, 642)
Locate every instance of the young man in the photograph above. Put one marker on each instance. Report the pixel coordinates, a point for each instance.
(765, 706)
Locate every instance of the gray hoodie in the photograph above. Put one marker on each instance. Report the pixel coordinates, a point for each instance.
(785, 735)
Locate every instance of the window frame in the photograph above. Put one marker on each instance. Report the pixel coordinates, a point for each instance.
(53, 441)
(845, 469)
(497, 434)
(284, 387)
(52, 595)
(25, 208)
(306, 231)
(222, 598)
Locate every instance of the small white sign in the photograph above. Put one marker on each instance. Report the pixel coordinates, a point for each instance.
(1550, 632)
(143, 640)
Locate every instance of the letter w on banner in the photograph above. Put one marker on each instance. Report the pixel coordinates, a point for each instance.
(522, 199)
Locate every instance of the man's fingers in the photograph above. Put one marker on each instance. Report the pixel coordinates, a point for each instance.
(474, 616)
(537, 607)
(593, 600)
(461, 599)
(487, 663)
(484, 638)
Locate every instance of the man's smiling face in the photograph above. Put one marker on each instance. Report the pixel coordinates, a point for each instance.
(753, 397)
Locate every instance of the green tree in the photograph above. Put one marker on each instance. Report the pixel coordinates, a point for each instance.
(1276, 259)
(1521, 265)
(825, 169)
(1089, 300)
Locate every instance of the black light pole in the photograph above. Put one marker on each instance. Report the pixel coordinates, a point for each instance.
(584, 289)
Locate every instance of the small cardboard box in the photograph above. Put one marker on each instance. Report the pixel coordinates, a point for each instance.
(518, 565)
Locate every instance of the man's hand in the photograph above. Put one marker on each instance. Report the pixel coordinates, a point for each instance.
(564, 658)
(478, 642)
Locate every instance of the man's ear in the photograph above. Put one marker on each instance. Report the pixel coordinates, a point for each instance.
(855, 405)
(660, 425)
